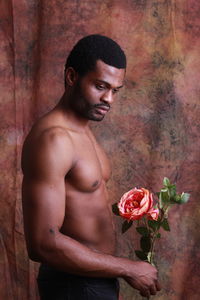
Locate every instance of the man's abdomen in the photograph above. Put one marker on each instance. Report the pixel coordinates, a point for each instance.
(90, 223)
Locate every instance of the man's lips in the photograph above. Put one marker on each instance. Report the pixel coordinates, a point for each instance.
(102, 108)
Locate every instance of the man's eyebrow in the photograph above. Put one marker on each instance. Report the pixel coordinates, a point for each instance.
(108, 84)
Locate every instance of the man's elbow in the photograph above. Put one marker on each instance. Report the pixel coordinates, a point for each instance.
(34, 254)
(40, 252)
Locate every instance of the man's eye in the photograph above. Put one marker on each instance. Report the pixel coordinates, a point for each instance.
(115, 91)
(100, 87)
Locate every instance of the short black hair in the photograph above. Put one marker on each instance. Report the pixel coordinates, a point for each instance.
(89, 49)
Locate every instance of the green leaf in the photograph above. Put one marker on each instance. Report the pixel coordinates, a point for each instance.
(142, 230)
(145, 243)
(164, 190)
(166, 181)
(172, 191)
(184, 198)
(176, 199)
(153, 224)
(165, 225)
(141, 255)
(158, 236)
(115, 209)
(126, 225)
(163, 197)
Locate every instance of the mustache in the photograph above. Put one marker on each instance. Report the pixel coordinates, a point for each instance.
(106, 105)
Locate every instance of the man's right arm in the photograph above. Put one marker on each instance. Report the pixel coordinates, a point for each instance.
(45, 164)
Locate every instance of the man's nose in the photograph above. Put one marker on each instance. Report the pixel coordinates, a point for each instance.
(107, 97)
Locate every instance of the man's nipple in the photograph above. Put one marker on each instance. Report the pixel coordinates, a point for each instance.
(95, 184)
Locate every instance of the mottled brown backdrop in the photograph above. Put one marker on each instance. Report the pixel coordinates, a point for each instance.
(152, 131)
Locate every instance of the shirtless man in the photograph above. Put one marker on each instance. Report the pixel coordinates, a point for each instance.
(67, 215)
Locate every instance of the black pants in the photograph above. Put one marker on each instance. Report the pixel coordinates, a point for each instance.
(55, 285)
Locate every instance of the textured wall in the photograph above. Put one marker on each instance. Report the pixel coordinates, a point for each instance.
(151, 132)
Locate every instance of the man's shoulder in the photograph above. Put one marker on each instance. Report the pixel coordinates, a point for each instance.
(48, 135)
(48, 146)
(52, 134)
(57, 136)
(45, 131)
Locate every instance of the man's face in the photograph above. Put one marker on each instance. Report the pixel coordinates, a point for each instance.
(96, 90)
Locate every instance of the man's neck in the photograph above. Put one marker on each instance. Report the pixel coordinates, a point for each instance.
(77, 122)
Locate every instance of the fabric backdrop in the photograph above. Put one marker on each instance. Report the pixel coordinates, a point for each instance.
(151, 132)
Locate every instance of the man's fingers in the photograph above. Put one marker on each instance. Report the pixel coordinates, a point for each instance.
(153, 289)
(158, 286)
(145, 293)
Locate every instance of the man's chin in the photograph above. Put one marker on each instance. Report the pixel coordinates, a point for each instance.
(96, 117)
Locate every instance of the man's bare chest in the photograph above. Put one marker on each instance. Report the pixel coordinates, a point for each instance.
(91, 164)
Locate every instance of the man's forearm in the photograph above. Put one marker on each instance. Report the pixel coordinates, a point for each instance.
(67, 254)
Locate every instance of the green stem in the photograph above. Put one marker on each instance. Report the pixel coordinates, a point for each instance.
(163, 215)
(153, 239)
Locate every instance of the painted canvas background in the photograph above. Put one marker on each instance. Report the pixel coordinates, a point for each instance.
(151, 132)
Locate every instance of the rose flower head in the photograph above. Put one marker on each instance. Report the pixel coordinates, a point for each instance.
(136, 203)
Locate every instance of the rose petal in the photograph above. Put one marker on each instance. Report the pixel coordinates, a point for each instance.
(153, 214)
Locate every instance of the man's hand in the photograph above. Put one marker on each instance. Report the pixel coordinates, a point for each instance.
(143, 277)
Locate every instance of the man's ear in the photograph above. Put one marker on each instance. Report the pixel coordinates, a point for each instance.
(71, 76)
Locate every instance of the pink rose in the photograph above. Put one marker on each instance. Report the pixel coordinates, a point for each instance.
(136, 203)
(153, 213)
